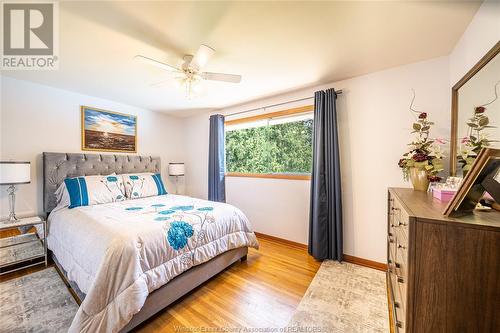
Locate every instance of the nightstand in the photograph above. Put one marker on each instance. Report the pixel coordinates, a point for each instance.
(25, 250)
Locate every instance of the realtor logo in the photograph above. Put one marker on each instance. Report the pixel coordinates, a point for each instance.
(29, 35)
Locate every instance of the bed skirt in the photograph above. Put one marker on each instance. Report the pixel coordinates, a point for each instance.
(173, 290)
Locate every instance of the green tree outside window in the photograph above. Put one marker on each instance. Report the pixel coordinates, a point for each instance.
(282, 148)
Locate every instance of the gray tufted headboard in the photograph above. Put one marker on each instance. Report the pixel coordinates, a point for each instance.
(59, 166)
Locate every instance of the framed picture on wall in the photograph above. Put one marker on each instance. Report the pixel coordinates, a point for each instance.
(104, 130)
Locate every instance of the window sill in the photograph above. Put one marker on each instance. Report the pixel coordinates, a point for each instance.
(269, 175)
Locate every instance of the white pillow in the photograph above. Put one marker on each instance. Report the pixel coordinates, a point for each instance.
(140, 185)
(93, 190)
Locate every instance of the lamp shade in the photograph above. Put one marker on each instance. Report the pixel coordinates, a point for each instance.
(176, 169)
(12, 172)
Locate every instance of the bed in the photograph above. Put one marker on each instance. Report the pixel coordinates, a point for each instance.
(119, 258)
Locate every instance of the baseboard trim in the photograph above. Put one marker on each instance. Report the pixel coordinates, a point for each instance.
(281, 240)
(365, 262)
(347, 258)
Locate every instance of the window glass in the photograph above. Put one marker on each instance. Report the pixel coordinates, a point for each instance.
(280, 145)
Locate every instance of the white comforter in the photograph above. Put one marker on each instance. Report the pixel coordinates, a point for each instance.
(120, 252)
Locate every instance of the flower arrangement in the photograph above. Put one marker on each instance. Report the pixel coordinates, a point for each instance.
(476, 139)
(424, 153)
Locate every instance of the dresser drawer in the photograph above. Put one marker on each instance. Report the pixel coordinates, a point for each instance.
(398, 217)
(401, 265)
(402, 282)
(401, 247)
(399, 309)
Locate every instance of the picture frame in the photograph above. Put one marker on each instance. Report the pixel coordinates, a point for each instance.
(109, 131)
(471, 189)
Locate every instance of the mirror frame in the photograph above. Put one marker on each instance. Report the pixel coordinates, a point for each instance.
(454, 103)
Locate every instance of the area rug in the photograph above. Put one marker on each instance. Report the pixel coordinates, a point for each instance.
(37, 302)
(344, 298)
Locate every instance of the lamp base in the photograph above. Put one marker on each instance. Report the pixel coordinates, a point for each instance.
(176, 184)
(12, 203)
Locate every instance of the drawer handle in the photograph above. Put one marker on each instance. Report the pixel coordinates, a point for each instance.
(390, 240)
(389, 261)
(399, 324)
(400, 279)
(394, 208)
(401, 247)
(396, 305)
(398, 265)
(403, 224)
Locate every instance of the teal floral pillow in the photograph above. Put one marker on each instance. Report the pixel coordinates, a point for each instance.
(143, 185)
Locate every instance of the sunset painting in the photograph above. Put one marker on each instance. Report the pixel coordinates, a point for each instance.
(108, 131)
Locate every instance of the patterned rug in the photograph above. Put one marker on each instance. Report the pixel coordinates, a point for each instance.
(344, 298)
(37, 302)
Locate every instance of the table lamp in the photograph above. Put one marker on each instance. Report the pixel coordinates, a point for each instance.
(13, 173)
(176, 170)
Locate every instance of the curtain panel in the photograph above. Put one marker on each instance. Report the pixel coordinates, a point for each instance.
(216, 165)
(325, 220)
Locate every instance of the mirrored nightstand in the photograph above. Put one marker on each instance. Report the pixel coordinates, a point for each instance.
(24, 250)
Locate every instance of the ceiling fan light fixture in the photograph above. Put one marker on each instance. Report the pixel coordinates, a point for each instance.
(191, 85)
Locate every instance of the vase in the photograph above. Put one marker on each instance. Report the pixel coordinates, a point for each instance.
(419, 179)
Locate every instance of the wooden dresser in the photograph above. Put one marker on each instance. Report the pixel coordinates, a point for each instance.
(443, 273)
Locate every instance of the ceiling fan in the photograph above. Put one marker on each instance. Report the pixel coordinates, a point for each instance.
(190, 73)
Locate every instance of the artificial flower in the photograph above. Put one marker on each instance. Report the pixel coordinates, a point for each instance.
(466, 151)
(439, 141)
(420, 157)
(433, 179)
(479, 109)
(436, 152)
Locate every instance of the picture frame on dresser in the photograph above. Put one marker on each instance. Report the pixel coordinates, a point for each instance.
(471, 189)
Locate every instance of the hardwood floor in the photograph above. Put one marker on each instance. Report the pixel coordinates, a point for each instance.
(262, 292)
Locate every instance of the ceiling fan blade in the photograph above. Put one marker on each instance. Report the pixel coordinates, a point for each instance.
(233, 78)
(201, 57)
(156, 63)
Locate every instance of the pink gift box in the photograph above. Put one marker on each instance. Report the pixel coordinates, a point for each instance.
(442, 194)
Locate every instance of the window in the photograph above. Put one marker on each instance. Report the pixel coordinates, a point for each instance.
(273, 145)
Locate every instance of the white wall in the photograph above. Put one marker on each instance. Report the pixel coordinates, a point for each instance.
(36, 118)
(374, 123)
(480, 36)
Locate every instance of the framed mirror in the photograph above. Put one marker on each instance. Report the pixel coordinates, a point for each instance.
(475, 112)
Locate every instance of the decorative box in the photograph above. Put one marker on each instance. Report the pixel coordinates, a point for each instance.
(443, 194)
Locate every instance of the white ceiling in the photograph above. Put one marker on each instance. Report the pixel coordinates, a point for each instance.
(276, 46)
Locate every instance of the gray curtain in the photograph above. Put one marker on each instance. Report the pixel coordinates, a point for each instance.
(216, 168)
(325, 220)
